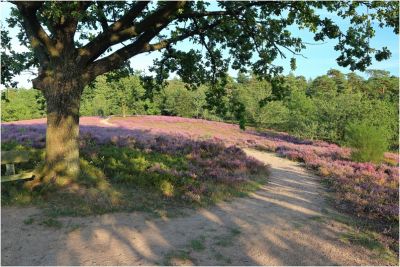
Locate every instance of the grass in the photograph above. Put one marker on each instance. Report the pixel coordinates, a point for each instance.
(362, 233)
(235, 231)
(115, 179)
(73, 227)
(29, 221)
(221, 258)
(317, 218)
(198, 244)
(364, 239)
(228, 239)
(53, 223)
(370, 240)
(180, 255)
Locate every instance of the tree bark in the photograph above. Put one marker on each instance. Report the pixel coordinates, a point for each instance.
(123, 109)
(62, 134)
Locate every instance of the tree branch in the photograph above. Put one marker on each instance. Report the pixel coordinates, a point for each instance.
(167, 42)
(120, 56)
(219, 12)
(142, 45)
(202, 14)
(116, 33)
(209, 50)
(40, 41)
(160, 18)
(65, 28)
(130, 15)
(102, 16)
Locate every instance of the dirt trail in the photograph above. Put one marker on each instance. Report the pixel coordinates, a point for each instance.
(106, 122)
(281, 224)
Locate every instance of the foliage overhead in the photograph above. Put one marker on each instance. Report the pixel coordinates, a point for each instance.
(101, 36)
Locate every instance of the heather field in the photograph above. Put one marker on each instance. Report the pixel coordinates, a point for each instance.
(165, 166)
(366, 189)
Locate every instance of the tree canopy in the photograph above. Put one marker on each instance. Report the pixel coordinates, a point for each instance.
(89, 33)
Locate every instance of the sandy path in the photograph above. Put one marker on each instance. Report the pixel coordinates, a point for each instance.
(106, 122)
(281, 224)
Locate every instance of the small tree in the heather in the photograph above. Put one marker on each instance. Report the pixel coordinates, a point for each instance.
(368, 142)
(127, 93)
(73, 42)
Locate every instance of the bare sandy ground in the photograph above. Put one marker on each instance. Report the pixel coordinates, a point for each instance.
(106, 122)
(281, 224)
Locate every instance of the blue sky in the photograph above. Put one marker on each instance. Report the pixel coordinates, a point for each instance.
(319, 57)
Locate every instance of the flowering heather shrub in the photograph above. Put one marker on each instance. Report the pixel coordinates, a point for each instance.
(368, 189)
(371, 190)
(229, 165)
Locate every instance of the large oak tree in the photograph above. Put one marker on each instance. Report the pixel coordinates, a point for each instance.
(71, 43)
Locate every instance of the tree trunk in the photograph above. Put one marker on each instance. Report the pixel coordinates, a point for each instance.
(123, 109)
(62, 143)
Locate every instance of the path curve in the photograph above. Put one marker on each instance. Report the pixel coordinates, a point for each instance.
(106, 122)
(281, 224)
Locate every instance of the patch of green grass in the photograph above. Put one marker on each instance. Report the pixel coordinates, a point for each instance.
(369, 240)
(363, 234)
(235, 231)
(325, 211)
(365, 239)
(198, 244)
(298, 225)
(343, 219)
(221, 258)
(29, 221)
(180, 255)
(317, 218)
(224, 241)
(73, 227)
(53, 223)
(228, 239)
(221, 192)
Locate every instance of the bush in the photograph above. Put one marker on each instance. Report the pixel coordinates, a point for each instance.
(302, 121)
(22, 104)
(368, 142)
(275, 115)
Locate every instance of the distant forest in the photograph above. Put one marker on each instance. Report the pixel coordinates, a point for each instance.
(321, 108)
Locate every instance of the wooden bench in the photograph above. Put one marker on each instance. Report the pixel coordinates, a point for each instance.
(9, 158)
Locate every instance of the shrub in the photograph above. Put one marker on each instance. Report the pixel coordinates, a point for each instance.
(275, 114)
(20, 104)
(368, 142)
(167, 188)
(302, 120)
